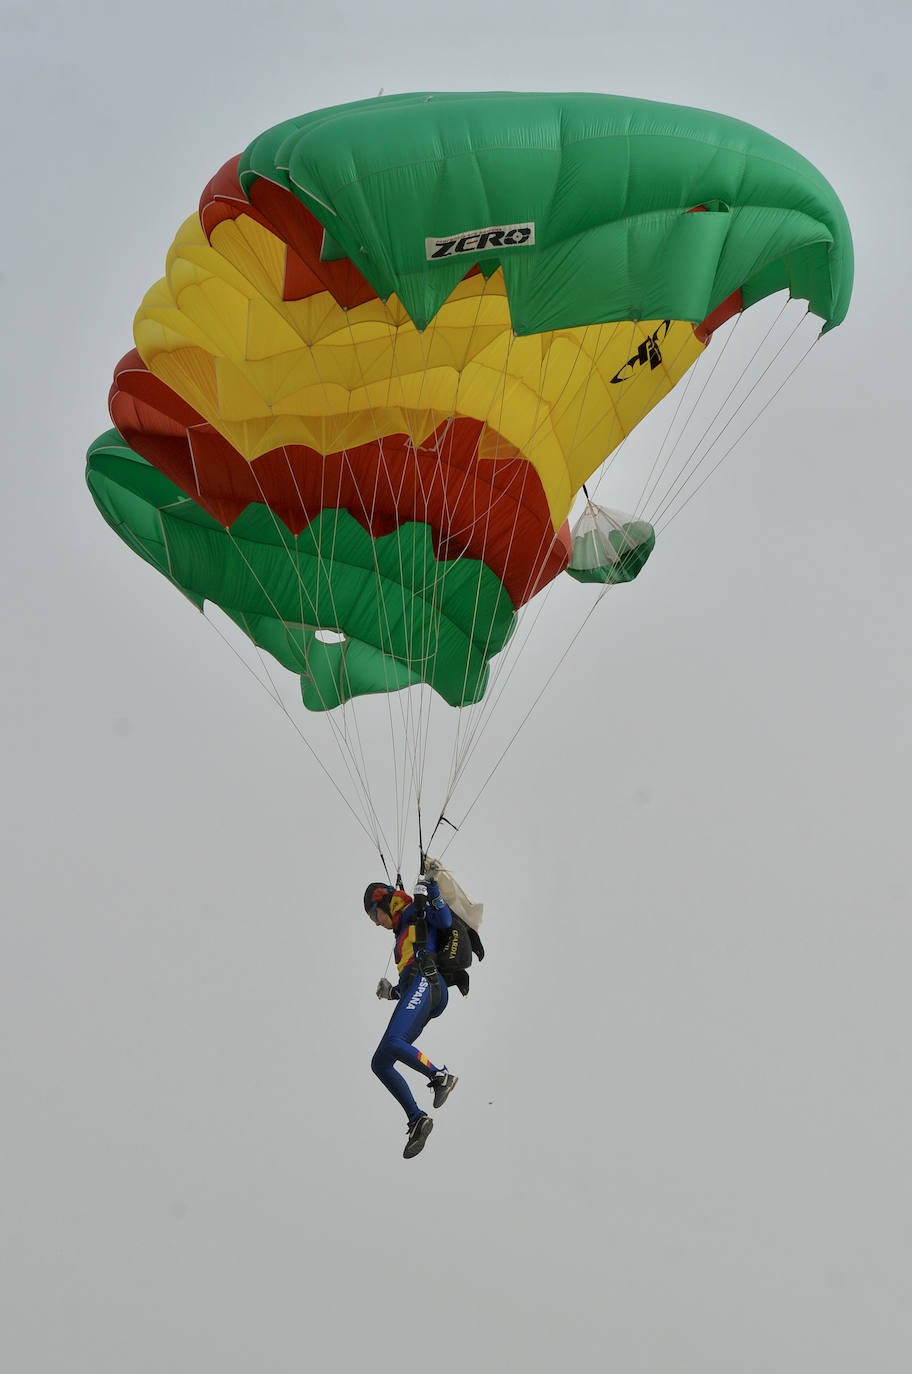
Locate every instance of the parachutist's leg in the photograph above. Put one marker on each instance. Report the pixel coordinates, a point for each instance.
(406, 1024)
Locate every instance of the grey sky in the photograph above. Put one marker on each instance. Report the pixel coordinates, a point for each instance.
(682, 1133)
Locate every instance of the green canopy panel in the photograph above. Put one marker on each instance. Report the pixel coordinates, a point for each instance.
(583, 199)
(397, 615)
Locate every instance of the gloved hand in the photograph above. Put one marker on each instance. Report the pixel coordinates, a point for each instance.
(385, 990)
(432, 869)
(420, 897)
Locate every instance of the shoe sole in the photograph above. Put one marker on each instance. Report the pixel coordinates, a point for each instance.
(414, 1147)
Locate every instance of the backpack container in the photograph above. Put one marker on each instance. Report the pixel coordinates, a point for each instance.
(455, 951)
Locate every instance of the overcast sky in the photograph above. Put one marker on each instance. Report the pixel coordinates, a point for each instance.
(682, 1133)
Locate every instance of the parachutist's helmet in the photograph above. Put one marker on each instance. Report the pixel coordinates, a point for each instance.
(377, 895)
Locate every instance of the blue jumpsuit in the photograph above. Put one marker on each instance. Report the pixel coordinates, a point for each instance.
(414, 1002)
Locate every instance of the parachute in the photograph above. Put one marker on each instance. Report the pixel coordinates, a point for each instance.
(397, 339)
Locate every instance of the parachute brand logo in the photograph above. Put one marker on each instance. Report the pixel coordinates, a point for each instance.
(481, 240)
(648, 352)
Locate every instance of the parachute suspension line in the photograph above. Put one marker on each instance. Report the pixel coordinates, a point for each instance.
(700, 379)
(684, 478)
(431, 597)
(720, 355)
(492, 699)
(416, 708)
(667, 520)
(473, 722)
(272, 692)
(398, 758)
(386, 633)
(356, 773)
(344, 746)
(269, 685)
(441, 820)
(469, 723)
(469, 483)
(439, 572)
(420, 611)
(416, 613)
(470, 474)
(529, 626)
(588, 344)
(737, 440)
(382, 617)
(507, 661)
(472, 482)
(386, 868)
(352, 758)
(464, 714)
(349, 719)
(497, 422)
(541, 692)
(432, 600)
(406, 759)
(657, 471)
(506, 668)
(529, 623)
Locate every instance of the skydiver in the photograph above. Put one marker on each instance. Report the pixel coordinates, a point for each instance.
(420, 994)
